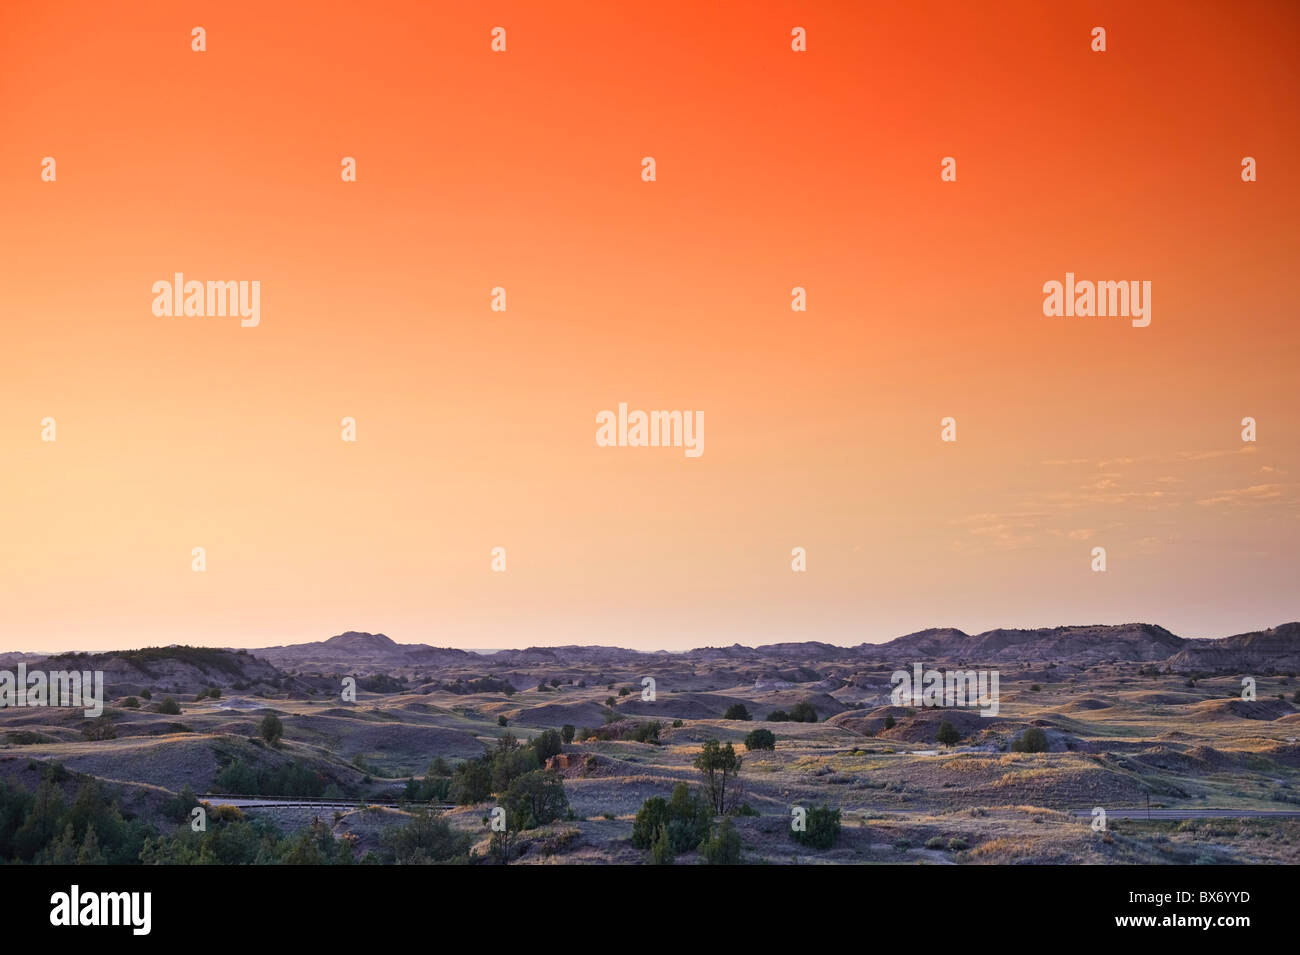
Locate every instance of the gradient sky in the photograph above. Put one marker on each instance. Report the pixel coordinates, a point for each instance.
(775, 169)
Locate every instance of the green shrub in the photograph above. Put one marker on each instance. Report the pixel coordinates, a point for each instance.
(510, 761)
(689, 818)
(271, 729)
(100, 728)
(761, 739)
(431, 789)
(169, 706)
(177, 809)
(546, 744)
(1032, 740)
(803, 712)
(27, 738)
(536, 799)
(736, 711)
(685, 817)
(647, 732)
(425, 839)
(822, 828)
(381, 683)
(724, 846)
(661, 849)
(650, 819)
(291, 779)
(471, 782)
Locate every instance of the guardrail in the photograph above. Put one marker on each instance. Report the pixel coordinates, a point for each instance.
(321, 802)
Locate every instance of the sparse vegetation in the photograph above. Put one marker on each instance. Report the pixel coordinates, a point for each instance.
(99, 728)
(1188, 740)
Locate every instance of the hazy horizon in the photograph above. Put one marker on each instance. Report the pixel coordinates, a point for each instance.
(488, 651)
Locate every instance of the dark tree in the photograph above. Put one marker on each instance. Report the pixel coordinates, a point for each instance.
(719, 767)
(1032, 740)
(271, 728)
(803, 712)
(471, 782)
(547, 744)
(536, 799)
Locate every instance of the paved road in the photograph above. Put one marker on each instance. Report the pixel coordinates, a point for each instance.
(1155, 814)
(273, 802)
(1141, 813)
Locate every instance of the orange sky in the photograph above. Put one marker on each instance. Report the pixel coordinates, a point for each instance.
(775, 169)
